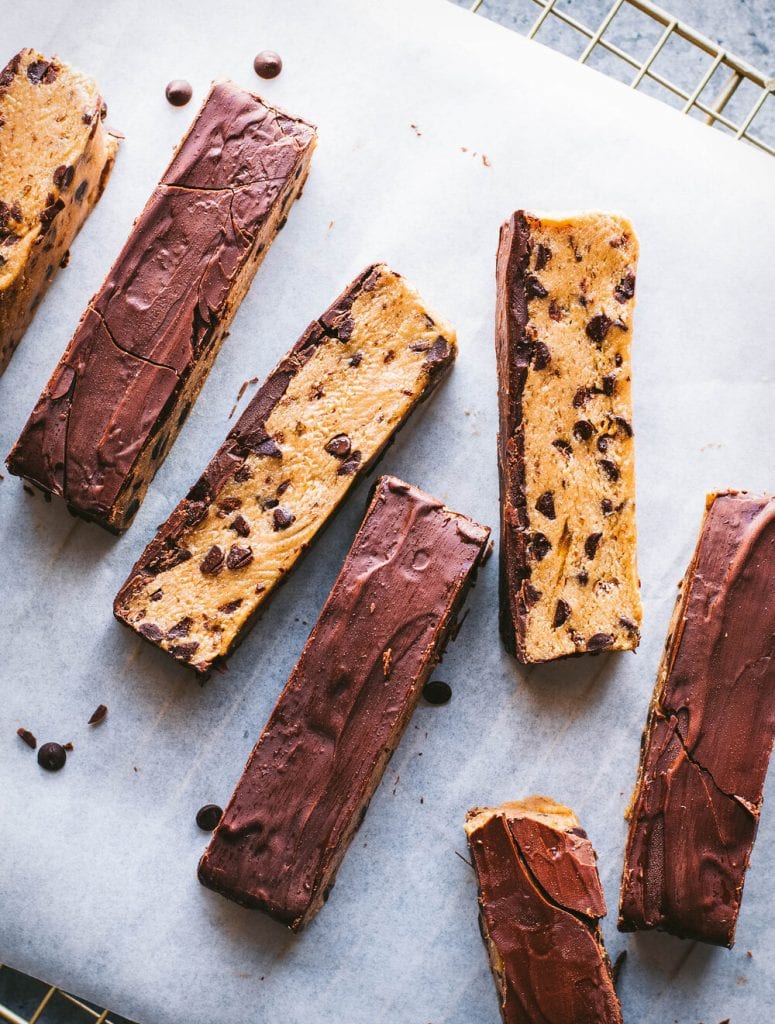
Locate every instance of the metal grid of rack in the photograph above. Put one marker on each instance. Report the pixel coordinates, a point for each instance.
(724, 91)
(711, 98)
(52, 1005)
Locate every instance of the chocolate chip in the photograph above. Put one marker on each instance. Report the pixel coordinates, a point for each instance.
(230, 607)
(356, 358)
(63, 176)
(609, 384)
(282, 488)
(629, 625)
(583, 430)
(583, 578)
(545, 505)
(184, 651)
(618, 359)
(541, 546)
(52, 757)
(212, 563)
(282, 519)
(181, 628)
(565, 447)
(534, 289)
(610, 469)
(268, 503)
(541, 356)
(98, 715)
(581, 397)
(437, 692)
(267, 64)
(530, 594)
(606, 506)
(626, 288)
(620, 421)
(350, 466)
(602, 443)
(598, 327)
(52, 209)
(167, 559)
(150, 631)
(41, 71)
(27, 737)
(543, 255)
(65, 259)
(80, 192)
(439, 352)
(561, 613)
(556, 312)
(339, 446)
(207, 817)
(591, 543)
(238, 557)
(270, 448)
(178, 92)
(599, 642)
(243, 473)
(240, 525)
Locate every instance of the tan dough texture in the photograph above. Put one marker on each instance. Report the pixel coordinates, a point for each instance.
(339, 410)
(55, 157)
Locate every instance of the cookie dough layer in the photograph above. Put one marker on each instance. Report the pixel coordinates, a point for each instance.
(320, 421)
(569, 579)
(309, 780)
(540, 901)
(55, 158)
(709, 734)
(145, 345)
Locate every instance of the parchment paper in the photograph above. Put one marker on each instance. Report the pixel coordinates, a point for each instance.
(98, 888)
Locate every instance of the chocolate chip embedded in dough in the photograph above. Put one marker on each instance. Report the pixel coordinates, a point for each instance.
(239, 557)
(583, 430)
(339, 446)
(545, 505)
(42, 71)
(541, 356)
(534, 289)
(625, 289)
(530, 595)
(561, 613)
(543, 255)
(564, 447)
(212, 563)
(241, 526)
(610, 469)
(540, 545)
(282, 518)
(600, 642)
(351, 465)
(591, 543)
(598, 327)
(609, 384)
(63, 176)
(184, 651)
(181, 629)
(151, 631)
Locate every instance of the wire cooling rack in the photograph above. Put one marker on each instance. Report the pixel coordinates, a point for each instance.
(635, 41)
(721, 89)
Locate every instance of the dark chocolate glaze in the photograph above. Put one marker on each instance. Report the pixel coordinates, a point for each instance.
(154, 321)
(540, 899)
(709, 735)
(322, 753)
(513, 350)
(168, 547)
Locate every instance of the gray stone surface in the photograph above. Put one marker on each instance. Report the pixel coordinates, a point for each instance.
(745, 28)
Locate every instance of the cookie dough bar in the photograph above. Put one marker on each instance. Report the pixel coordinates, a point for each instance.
(144, 347)
(709, 734)
(565, 296)
(319, 422)
(309, 780)
(55, 158)
(540, 902)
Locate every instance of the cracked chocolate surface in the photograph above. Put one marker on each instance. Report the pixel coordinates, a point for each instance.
(309, 779)
(565, 447)
(316, 425)
(114, 404)
(709, 734)
(55, 158)
(540, 901)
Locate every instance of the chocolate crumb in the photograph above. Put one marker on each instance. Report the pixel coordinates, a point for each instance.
(98, 715)
(583, 578)
(180, 629)
(27, 736)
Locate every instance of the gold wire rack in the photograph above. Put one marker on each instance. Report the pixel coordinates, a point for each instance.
(717, 93)
(721, 77)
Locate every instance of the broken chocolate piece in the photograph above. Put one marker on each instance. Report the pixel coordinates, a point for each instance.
(27, 737)
(98, 715)
(300, 800)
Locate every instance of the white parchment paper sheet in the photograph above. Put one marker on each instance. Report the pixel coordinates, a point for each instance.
(98, 888)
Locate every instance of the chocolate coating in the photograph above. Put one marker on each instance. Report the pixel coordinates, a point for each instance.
(347, 702)
(268, 64)
(178, 92)
(540, 900)
(709, 734)
(156, 323)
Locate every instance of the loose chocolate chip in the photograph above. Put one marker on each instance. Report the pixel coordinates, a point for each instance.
(63, 176)
(241, 526)
(609, 384)
(561, 613)
(626, 288)
(98, 715)
(267, 64)
(212, 563)
(350, 466)
(598, 327)
(207, 817)
(41, 71)
(282, 518)
(602, 443)
(620, 421)
(27, 736)
(581, 397)
(437, 692)
(610, 469)
(599, 642)
(583, 578)
(181, 628)
(270, 448)
(545, 505)
(230, 607)
(606, 506)
(52, 757)
(80, 192)
(184, 651)
(530, 594)
(238, 557)
(543, 255)
(339, 446)
(150, 631)
(541, 546)
(534, 289)
(178, 92)
(565, 447)
(629, 625)
(356, 358)
(591, 543)
(583, 430)
(541, 356)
